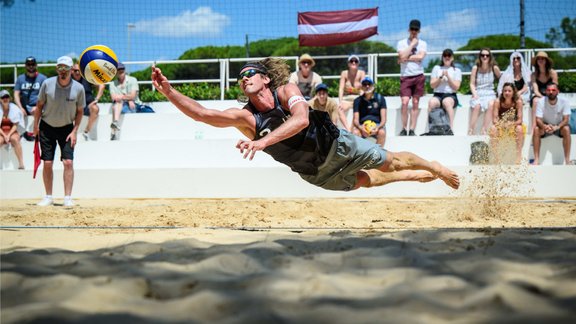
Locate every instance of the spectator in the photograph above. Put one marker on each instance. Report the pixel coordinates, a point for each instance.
(370, 107)
(349, 88)
(519, 73)
(26, 92)
(91, 110)
(411, 53)
(12, 124)
(507, 119)
(552, 118)
(445, 80)
(56, 120)
(305, 78)
(482, 79)
(124, 93)
(542, 75)
(322, 102)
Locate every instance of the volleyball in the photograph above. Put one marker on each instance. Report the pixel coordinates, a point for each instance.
(369, 125)
(98, 64)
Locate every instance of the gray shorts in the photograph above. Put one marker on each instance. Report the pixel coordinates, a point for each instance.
(348, 155)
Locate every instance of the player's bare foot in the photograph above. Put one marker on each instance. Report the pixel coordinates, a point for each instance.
(448, 176)
(425, 176)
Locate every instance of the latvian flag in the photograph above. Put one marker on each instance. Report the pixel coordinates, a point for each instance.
(329, 28)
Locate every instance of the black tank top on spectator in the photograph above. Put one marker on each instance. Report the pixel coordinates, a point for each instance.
(305, 151)
(542, 85)
(519, 84)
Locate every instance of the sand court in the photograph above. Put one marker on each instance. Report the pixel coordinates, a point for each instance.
(288, 260)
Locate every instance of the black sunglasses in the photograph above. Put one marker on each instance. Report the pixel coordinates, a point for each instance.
(414, 29)
(5, 97)
(484, 55)
(248, 73)
(353, 61)
(366, 84)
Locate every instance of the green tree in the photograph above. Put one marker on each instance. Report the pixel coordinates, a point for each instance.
(564, 35)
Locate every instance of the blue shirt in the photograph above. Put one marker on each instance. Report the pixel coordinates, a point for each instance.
(369, 109)
(29, 88)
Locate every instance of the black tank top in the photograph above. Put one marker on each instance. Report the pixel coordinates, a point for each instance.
(303, 152)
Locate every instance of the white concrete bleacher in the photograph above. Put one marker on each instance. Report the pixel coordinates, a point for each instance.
(167, 154)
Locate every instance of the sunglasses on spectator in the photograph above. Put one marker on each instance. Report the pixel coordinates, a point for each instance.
(364, 84)
(6, 97)
(30, 64)
(517, 58)
(414, 29)
(551, 90)
(306, 63)
(447, 55)
(484, 55)
(75, 70)
(248, 73)
(63, 68)
(353, 61)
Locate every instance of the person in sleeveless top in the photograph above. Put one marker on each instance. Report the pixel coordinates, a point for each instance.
(349, 88)
(305, 78)
(482, 79)
(12, 124)
(543, 75)
(277, 120)
(507, 119)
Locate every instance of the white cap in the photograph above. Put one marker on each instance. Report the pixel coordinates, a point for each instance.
(65, 60)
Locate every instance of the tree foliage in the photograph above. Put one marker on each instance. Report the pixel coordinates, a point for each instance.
(564, 35)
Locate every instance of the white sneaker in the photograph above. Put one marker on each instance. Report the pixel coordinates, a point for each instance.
(86, 136)
(68, 202)
(45, 202)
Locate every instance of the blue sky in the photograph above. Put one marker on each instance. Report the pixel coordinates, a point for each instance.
(165, 29)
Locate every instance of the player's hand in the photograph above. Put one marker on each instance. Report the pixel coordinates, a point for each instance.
(159, 81)
(72, 138)
(249, 148)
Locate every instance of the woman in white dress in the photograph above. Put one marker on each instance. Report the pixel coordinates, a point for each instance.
(482, 79)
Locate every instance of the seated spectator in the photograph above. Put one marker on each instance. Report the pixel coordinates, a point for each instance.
(12, 124)
(124, 93)
(542, 75)
(519, 73)
(305, 78)
(482, 79)
(91, 110)
(445, 80)
(322, 102)
(370, 113)
(552, 118)
(349, 88)
(507, 120)
(26, 92)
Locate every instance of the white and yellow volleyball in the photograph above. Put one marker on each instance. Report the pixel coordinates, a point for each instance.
(369, 125)
(98, 64)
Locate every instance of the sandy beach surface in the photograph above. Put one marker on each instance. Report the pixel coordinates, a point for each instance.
(289, 261)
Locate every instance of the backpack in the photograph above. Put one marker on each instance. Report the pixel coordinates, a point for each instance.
(144, 109)
(480, 153)
(438, 123)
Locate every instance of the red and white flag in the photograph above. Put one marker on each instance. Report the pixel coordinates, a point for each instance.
(329, 28)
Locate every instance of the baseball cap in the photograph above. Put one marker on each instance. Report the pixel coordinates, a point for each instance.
(307, 58)
(65, 60)
(353, 56)
(368, 79)
(120, 66)
(5, 93)
(415, 24)
(321, 86)
(30, 59)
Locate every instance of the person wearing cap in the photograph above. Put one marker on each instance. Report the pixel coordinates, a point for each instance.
(542, 75)
(411, 53)
(26, 92)
(305, 78)
(349, 88)
(12, 125)
(277, 120)
(370, 106)
(61, 102)
(445, 79)
(91, 110)
(124, 94)
(323, 102)
(552, 118)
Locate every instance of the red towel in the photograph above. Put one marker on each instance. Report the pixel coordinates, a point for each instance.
(37, 160)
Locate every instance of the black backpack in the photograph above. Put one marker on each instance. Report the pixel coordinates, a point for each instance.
(438, 123)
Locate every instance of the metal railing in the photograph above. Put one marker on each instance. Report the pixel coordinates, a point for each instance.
(225, 78)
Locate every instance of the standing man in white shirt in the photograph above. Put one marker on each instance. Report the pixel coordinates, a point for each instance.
(411, 53)
(552, 118)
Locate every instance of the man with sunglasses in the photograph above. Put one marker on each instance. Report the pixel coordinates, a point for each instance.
(26, 92)
(411, 53)
(61, 103)
(278, 121)
(552, 118)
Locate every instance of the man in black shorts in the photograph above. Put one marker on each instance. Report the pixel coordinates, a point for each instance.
(61, 103)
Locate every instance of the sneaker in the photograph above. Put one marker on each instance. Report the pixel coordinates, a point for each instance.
(28, 136)
(68, 203)
(115, 126)
(112, 137)
(86, 136)
(411, 133)
(45, 202)
(403, 133)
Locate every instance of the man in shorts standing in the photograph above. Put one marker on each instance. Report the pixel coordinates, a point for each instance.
(411, 53)
(61, 103)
